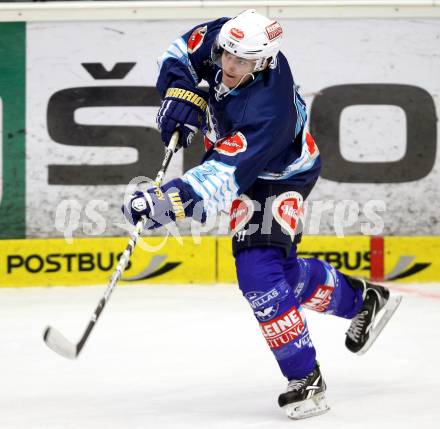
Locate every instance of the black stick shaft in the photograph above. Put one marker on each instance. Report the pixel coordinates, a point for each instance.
(125, 257)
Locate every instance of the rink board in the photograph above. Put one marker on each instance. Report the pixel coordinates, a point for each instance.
(207, 260)
(78, 121)
(91, 261)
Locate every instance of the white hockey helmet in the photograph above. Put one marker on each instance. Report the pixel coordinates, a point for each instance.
(252, 36)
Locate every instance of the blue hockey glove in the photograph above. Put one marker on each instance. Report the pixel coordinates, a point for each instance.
(183, 108)
(159, 207)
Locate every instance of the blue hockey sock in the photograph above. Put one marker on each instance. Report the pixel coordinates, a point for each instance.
(320, 287)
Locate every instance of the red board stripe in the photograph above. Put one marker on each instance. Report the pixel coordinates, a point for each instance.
(377, 268)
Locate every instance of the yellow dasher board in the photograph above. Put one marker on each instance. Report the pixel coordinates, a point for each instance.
(39, 262)
(349, 254)
(412, 259)
(206, 260)
(399, 259)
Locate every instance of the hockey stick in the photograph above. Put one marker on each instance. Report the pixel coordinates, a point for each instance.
(52, 337)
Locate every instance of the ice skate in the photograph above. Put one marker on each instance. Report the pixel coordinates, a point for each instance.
(305, 397)
(376, 311)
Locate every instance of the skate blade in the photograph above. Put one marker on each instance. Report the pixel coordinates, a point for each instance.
(388, 311)
(308, 408)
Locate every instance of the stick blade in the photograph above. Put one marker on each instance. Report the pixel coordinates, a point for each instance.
(59, 343)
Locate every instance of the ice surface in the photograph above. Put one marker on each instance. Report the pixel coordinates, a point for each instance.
(193, 357)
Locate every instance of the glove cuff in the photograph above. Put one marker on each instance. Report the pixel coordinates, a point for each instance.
(168, 204)
(191, 202)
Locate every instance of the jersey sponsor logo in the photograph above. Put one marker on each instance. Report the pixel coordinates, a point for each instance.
(266, 313)
(287, 210)
(232, 145)
(261, 299)
(240, 213)
(236, 33)
(196, 39)
(320, 299)
(266, 304)
(274, 31)
(284, 329)
(298, 289)
(304, 342)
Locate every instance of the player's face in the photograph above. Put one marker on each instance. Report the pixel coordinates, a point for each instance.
(234, 68)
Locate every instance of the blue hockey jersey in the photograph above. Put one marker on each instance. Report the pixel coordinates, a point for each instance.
(255, 133)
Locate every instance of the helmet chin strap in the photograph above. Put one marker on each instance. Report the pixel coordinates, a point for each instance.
(221, 90)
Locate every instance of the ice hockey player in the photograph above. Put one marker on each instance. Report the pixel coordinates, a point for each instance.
(260, 165)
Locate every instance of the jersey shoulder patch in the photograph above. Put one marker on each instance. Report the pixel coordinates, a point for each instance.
(196, 39)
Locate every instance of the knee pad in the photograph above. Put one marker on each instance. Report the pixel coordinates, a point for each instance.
(265, 304)
(263, 283)
(261, 279)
